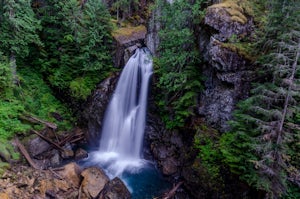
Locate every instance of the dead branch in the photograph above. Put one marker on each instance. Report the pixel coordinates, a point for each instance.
(48, 140)
(72, 138)
(26, 154)
(172, 192)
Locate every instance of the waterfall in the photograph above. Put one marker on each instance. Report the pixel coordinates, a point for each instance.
(124, 122)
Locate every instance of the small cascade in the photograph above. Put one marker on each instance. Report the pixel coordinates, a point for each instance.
(124, 122)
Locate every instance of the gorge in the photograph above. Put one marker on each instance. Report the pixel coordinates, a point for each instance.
(221, 119)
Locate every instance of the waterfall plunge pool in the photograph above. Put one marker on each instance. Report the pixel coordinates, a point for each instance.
(140, 176)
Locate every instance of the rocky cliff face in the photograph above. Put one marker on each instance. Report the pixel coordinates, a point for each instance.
(227, 70)
(95, 107)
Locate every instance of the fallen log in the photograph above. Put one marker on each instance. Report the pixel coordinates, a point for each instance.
(26, 154)
(33, 119)
(48, 140)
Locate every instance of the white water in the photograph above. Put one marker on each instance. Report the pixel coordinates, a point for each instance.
(124, 123)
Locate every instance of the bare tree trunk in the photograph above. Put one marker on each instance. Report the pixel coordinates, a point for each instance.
(13, 67)
(287, 98)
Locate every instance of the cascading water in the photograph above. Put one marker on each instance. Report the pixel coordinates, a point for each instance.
(124, 122)
(122, 134)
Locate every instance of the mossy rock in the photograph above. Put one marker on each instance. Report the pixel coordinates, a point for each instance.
(236, 12)
(243, 49)
(7, 151)
(128, 34)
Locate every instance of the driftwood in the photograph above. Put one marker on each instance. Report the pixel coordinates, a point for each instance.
(170, 194)
(26, 154)
(33, 119)
(48, 140)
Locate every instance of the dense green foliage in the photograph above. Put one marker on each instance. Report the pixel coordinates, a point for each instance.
(76, 52)
(64, 46)
(18, 27)
(177, 65)
(262, 144)
(59, 44)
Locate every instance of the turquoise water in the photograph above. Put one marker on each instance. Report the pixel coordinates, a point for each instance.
(141, 177)
(148, 183)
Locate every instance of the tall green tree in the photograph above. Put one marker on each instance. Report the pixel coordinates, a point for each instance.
(266, 130)
(18, 30)
(177, 65)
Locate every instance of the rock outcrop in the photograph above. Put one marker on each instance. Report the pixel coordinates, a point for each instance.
(127, 40)
(229, 67)
(95, 107)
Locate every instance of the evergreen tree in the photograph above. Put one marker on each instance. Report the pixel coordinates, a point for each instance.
(18, 27)
(95, 38)
(177, 63)
(266, 130)
(77, 44)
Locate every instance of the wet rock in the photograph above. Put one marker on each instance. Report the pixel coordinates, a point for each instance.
(169, 166)
(80, 154)
(95, 108)
(94, 180)
(115, 189)
(167, 147)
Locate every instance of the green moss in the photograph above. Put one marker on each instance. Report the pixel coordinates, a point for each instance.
(243, 49)
(128, 31)
(240, 9)
(236, 12)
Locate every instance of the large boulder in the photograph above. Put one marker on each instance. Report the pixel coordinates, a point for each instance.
(94, 180)
(71, 172)
(115, 189)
